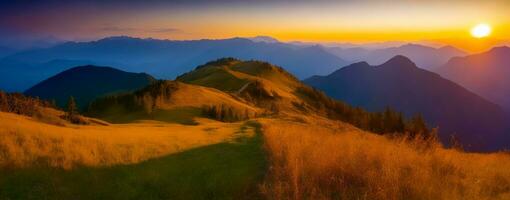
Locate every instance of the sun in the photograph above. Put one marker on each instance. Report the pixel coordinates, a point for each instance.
(481, 31)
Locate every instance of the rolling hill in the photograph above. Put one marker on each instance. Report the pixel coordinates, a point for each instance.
(400, 84)
(163, 58)
(86, 83)
(244, 88)
(166, 101)
(485, 74)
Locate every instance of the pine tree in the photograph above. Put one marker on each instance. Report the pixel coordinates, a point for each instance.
(4, 104)
(417, 127)
(72, 109)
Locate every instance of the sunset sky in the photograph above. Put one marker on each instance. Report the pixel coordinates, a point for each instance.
(318, 21)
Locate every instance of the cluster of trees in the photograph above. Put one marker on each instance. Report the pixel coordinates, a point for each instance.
(148, 99)
(256, 93)
(218, 62)
(21, 104)
(386, 122)
(29, 106)
(225, 113)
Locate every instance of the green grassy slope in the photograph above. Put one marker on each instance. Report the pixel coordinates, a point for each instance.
(180, 115)
(229, 74)
(230, 170)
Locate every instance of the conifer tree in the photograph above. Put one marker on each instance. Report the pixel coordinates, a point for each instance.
(72, 109)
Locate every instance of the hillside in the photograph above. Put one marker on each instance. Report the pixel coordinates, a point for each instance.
(285, 140)
(263, 84)
(163, 59)
(87, 83)
(485, 74)
(167, 101)
(325, 160)
(398, 83)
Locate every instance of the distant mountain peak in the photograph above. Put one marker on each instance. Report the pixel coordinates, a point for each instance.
(500, 49)
(264, 38)
(93, 69)
(413, 45)
(451, 49)
(120, 37)
(399, 61)
(358, 66)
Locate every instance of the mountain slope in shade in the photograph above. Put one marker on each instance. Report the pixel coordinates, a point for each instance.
(87, 83)
(166, 58)
(425, 57)
(398, 83)
(486, 74)
(19, 75)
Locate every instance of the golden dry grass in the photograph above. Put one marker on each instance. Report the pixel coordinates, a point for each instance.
(25, 142)
(328, 161)
(197, 96)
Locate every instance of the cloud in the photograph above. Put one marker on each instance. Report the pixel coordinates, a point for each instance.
(117, 29)
(165, 30)
(131, 29)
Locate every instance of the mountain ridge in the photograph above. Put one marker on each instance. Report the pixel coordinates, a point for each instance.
(484, 73)
(166, 58)
(413, 90)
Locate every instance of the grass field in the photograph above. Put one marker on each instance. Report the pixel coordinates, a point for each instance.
(328, 161)
(227, 170)
(26, 142)
(267, 158)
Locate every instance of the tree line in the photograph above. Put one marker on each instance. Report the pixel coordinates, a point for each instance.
(22, 105)
(388, 121)
(30, 106)
(225, 113)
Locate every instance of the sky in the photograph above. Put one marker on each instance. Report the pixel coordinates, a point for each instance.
(361, 21)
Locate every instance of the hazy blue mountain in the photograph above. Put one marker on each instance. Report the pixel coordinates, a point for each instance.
(425, 57)
(166, 58)
(86, 83)
(262, 38)
(17, 76)
(400, 84)
(5, 51)
(487, 74)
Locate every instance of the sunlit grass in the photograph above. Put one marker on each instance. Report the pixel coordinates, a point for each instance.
(226, 170)
(328, 162)
(25, 142)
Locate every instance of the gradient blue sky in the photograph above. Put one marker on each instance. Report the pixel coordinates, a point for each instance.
(325, 21)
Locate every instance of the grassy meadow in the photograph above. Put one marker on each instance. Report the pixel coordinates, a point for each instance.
(148, 160)
(330, 161)
(226, 170)
(265, 158)
(25, 142)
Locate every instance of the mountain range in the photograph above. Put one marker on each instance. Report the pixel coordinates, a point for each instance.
(160, 58)
(486, 74)
(425, 57)
(400, 84)
(5, 51)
